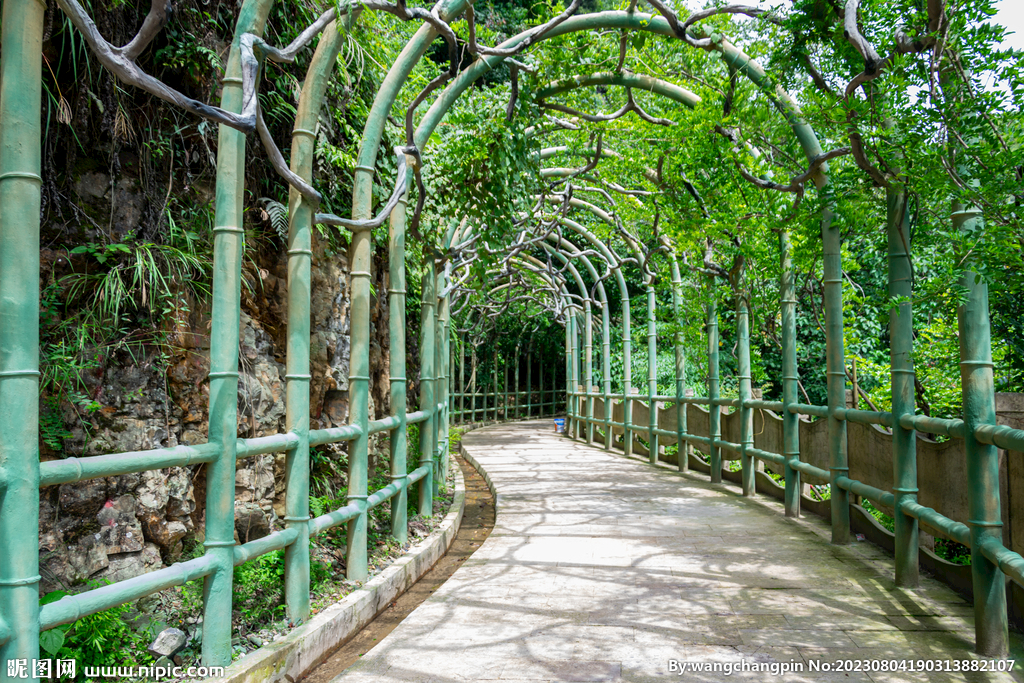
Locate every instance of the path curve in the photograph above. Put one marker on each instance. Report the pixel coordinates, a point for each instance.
(604, 568)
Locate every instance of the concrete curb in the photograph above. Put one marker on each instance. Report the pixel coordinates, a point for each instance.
(299, 652)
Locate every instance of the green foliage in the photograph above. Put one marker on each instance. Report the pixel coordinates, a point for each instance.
(100, 639)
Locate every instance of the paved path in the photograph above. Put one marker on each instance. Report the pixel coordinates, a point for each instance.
(603, 568)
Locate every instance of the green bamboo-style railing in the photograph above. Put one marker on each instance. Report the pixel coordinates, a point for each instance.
(991, 560)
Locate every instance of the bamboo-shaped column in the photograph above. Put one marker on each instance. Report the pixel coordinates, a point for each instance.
(714, 410)
(836, 373)
(746, 413)
(462, 378)
(652, 375)
(494, 373)
(570, 343)
(901, 344)
(399, 439)
(20, 134)
(529, 378)
(472, 384)
(297, 377)
(606, 370)
(441, 382)
(588, 371)
(540, 381)
(627, 378)
(790, 420)
(683, 452)
(515, 411)
(978, 388)
(428, 429)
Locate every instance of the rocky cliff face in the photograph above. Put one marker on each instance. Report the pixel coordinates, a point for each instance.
(118, 527)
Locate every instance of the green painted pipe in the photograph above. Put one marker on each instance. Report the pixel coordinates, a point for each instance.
(427, 337)
(790, 378)
(20, 134)
(297, 377)
(836, 374)
(399, 440)
(901, 345)
(274, 541)
(515, 413)
(73, 607)
(978, 388)
(441, 381)
(683, 452)
(652, 374)
(628, 80)
(714, 412)
(746, 414)
(228, 246)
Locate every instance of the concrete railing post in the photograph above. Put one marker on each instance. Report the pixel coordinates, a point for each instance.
(979, 409)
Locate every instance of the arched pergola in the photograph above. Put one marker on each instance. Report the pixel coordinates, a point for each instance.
(21, 474)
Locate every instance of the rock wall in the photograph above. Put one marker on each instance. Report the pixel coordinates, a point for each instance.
(119, 527)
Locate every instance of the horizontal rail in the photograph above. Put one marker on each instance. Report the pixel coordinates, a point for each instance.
(933, 425)
(866, 417)
(1001, 436)
(875, 495)
(764, 405)
(417, 417)
(339, 516)
(79, 469)
(74, 607)
(385, 493)
(261, 546)
(806, 409)
(1011, 563)
(809, 469)
(275, 443)
(958, 531)
(776, 458)
(319, 437)
(418, 473)
(383, 425)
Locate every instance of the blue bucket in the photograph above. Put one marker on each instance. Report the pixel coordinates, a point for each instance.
(559, 425)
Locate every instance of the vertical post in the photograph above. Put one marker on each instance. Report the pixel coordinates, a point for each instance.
(472, 383)
(462, 378)
(714, 410)
(427, 402)
(20, 166)
(746, 413)
(652, 375)
(494, 375)
(570, 349)
(588, 373)
(836, 375)
(683, 457)
(982, 459)
(515, 411)
(228, 237)
(504, 379)
(790, 421)
(399, 440)
(901, 341)
(529, 379)
(606, 370)
(440, 382)
(540, 369)
(627, 378)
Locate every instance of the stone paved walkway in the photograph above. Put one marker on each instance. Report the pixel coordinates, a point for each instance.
(603, 568)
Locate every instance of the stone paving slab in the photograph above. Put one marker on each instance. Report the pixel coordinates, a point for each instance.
(604, 568)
